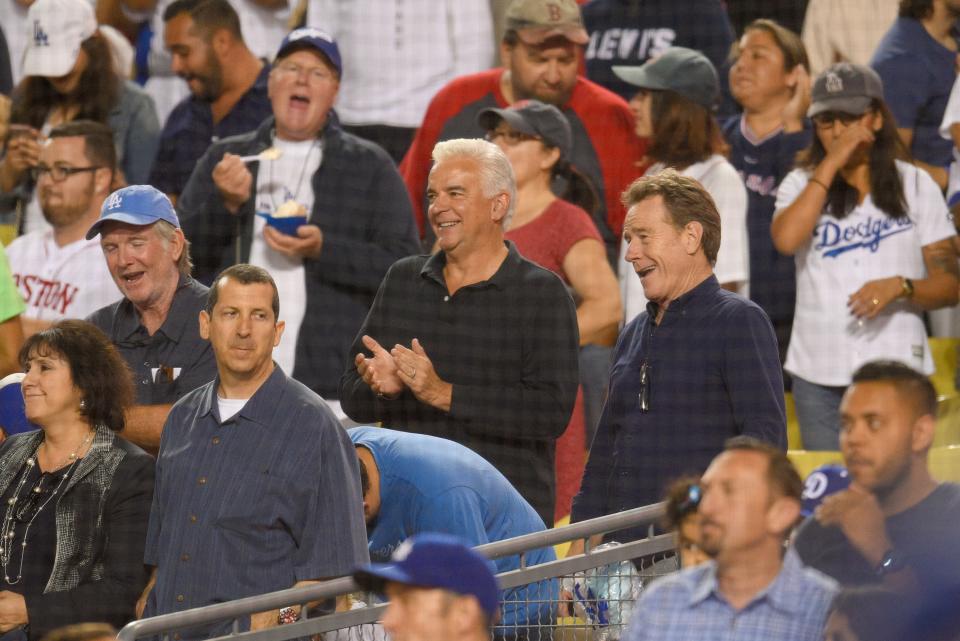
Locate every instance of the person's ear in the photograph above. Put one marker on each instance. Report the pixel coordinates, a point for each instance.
(220, 42)
(782, 514)
(498, 210)
(506, 55)
(922, 433)
(204, 325)
(692, 237)
(551, 157)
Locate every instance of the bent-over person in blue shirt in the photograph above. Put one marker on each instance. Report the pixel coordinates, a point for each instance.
(414, 483)
(260, 488)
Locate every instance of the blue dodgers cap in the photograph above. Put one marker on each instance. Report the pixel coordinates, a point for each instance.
(135, 205)
(312, 38)
(822, 482)
(13, 418)
(433, 560)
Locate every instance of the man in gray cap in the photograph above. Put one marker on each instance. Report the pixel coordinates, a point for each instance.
(540, 52)
(155, 324)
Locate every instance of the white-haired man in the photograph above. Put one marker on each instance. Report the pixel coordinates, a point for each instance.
(475, 343)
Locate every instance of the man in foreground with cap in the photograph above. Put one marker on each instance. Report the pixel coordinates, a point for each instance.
(355, 215)
(540, 54)
(895, 524)
(154, 325)
(439, 589)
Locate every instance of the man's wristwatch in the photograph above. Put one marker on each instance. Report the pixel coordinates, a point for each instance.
(906, 287)
(890, 562)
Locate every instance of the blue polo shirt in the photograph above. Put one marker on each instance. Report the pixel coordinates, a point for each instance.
(713, 372)
(430, 484)
(190, 130)
(252, 504)
(917, 73)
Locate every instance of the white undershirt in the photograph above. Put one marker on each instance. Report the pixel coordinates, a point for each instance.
(229, 407)
(280, 180)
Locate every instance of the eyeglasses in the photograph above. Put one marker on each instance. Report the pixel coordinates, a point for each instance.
(29, 505)
(827, 119)
(291, 70)
(58, 173)
(644, 395)
(511, 137)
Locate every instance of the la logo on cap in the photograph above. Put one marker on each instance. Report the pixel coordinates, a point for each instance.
(39, 35)
(833, 83)
(114, 201)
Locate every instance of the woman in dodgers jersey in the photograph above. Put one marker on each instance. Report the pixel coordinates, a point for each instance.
(873, 244)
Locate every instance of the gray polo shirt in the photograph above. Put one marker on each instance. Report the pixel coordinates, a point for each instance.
(172, 362)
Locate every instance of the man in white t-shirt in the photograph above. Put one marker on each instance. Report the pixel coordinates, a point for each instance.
(59, 273)
(356, 216)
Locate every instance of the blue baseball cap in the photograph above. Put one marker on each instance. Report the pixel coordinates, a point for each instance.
(312, 38)
(13, 418)
(822, 482)
(433, 560)
(135, 205)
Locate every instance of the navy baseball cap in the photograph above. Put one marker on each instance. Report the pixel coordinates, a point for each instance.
(135, 205)
(684, 71)
(822, 482)
(13, 418)
(312, 38)
(433, 560)
(533, 118)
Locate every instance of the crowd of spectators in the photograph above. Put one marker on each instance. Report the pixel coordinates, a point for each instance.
(564, 252)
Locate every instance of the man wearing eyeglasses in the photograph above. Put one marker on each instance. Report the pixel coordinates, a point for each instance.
(355, 216)
(698, 366)
(59, 273)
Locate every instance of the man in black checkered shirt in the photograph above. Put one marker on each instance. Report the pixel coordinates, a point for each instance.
(475, 343)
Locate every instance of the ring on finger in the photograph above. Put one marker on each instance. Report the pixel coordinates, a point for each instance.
(876, 301)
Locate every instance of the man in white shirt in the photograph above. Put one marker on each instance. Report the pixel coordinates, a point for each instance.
(59, 273)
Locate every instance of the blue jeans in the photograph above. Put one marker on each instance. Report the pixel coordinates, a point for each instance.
(818, 412)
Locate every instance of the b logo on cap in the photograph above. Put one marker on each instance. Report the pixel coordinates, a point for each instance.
(554, 12)
(39, 35)
(833, 83)
(114, 201)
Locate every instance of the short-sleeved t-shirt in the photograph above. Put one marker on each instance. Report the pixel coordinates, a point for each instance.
(828, 343)
(548, 238)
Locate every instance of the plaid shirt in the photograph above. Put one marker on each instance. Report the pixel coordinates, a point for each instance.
(688, 606)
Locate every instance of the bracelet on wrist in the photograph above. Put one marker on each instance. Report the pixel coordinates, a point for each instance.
(906, 288)
(818, 182)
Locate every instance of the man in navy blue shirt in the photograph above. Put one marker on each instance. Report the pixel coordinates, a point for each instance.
(261, 488)
(699, 366)
(228, 87)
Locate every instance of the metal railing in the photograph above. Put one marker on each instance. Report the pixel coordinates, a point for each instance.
(165, 625)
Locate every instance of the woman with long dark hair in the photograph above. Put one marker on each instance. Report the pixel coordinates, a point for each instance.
(75, 495)
(70, 80)
(873, 244)
(673, 110)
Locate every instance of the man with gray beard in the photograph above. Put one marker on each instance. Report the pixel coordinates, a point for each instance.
(59, 273)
